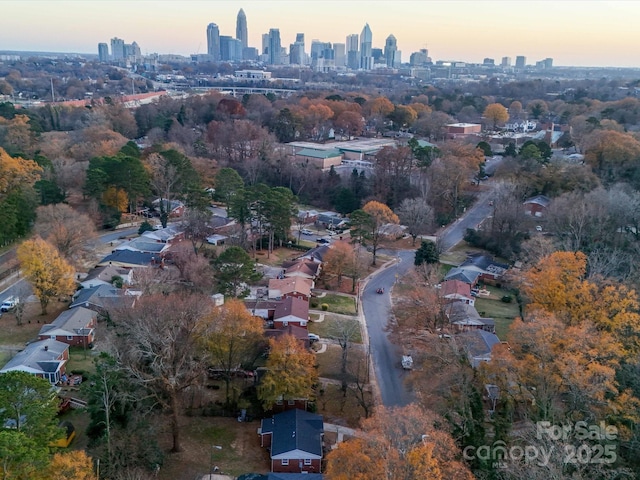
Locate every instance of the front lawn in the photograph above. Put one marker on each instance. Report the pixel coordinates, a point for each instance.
(343, 304)
(332, 325)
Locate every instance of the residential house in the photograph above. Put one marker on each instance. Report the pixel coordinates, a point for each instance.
(145, 245)
(75, 327)
(478, 345)
(316, 254)
(295, 440)
(463, 275)
(102, 298)
(536, 206)
(301, 334)
(175, 207)
(280, 288)
(262, 308)
(458, 291)
(464, 317)
(131, 259)
(301, 268)
(104, 276)
(45, 359)
(291, 311)
(170, 234)
(486, 267)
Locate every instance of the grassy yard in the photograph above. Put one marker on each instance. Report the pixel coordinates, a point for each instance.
(332, 325)
(345, 305)
(503, 313)
(81, 360)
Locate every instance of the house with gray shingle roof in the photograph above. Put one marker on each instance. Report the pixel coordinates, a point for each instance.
(478, 345)
(75, 327)
(102, 298)
(45, 359)
(105, 274)
(295, 439)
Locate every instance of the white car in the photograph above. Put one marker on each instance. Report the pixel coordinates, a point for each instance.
(306, 231)
(9, 304)
(314, 338)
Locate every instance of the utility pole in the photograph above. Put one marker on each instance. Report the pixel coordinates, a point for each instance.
(53, 94)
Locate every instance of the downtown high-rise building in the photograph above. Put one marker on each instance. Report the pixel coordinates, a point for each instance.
(230, 49)
(521, 61)
(117, 49)
(506, 62)
(390, 51)
(103, 52)
(366, 44)
(242, 33)
(353, 58)
(213, 42)
(339, 55)
(297, 54)
(275, 47)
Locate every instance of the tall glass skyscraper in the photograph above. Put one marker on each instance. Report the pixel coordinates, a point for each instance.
(390, 51)
(275, 46)
(366, 42)
(241, 29)
(213, 41)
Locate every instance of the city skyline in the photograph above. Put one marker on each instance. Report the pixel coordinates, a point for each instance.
(590, 33)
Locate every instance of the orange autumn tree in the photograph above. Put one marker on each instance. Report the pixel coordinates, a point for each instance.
(404, 442)
(230, 334)
(16, 171)
(48, 272)
(557, 284)
(76, 465)
(291, 372)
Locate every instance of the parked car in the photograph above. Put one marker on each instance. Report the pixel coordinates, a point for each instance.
(9, 304)
(306, 231)
(322, 241)
(380, 290)
(314, 338)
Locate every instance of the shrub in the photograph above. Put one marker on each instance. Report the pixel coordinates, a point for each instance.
(324, 307)
(507, 298)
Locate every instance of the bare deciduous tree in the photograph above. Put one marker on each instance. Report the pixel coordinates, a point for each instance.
(158, 348)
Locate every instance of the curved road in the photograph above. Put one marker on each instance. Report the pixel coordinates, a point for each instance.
(384, 354)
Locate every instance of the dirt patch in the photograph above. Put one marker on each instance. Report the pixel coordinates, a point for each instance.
(239, 448)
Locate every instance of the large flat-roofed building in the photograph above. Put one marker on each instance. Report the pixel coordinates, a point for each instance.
(323, 159)
(464, 128)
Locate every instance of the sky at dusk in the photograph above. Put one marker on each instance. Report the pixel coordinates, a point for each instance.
(572, 32)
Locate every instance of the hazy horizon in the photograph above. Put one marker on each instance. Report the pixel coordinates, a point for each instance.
(589, 33)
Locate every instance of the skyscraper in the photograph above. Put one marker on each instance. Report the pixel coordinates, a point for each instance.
(296, 51)
(366, 42)
(521, 61)
(117, 49)
(103, 52)
(339, 54)
(506, 62)
(390, 51)
(241, 28)
(213, 41)
(274, 46)
(353, 60)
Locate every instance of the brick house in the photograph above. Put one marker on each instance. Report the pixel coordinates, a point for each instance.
(75, 327)
(295, 438)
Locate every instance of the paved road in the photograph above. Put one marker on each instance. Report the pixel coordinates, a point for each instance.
(474, 215)
(385, 355)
